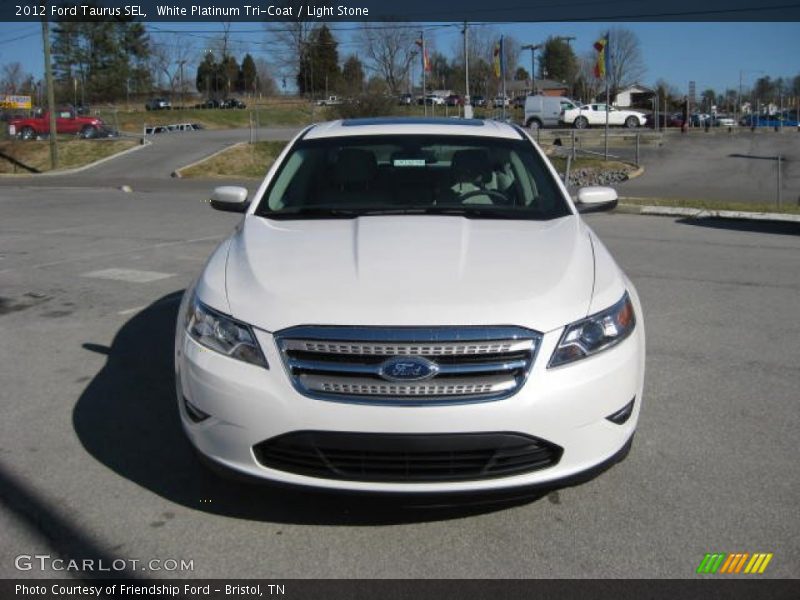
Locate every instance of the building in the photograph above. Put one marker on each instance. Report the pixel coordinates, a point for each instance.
(635, 95)
(546, 87)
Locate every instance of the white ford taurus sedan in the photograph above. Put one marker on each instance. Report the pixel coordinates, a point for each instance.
(411, 306)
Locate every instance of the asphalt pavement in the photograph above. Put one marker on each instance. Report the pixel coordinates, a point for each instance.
(93, 462)
(732, 167)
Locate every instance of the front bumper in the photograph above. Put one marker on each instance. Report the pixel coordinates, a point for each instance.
(566, 406)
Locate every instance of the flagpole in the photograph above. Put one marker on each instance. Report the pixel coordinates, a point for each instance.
(503, 73)
(424, 97)
(608, 107)
(607, 64)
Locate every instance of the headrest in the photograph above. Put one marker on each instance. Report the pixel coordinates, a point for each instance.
(471, 166)
(354, 166)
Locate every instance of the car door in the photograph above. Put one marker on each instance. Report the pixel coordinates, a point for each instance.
(595, 115)
(65, 122)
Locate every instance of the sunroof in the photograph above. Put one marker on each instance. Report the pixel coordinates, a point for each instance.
(411, 121)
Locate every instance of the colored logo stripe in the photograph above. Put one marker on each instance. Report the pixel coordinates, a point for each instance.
(734, 563)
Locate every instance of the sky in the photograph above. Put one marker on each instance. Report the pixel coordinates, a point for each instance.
(714, 55)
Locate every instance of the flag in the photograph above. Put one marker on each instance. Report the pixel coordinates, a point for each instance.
(601, 66)
(426, 59)
(497, 57)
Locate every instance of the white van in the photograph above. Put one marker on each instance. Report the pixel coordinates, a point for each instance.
(544, 111)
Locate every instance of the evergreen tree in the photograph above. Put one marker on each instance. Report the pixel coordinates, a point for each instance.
(558, 61)
(247, 81)
(352, 76)
(319, 63)
(108, 59)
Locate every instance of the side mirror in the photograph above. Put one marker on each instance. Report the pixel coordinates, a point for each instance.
(596, 199)
(230, 198)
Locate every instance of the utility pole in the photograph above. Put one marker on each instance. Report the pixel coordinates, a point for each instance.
(533, 48)
(465, 31)
(180, 64)
(424, 98)
(51, 97)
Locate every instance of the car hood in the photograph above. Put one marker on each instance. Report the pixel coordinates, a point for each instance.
(409, 270)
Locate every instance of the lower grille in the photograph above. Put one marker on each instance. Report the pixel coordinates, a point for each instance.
(408, 365)
(383, 457)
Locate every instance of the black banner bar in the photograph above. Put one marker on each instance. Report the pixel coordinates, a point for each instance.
(390, 589)
(498, 11)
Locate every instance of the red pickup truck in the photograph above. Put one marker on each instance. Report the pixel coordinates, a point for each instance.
(28, 128)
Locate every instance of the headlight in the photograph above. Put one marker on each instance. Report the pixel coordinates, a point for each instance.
(595, 333)
(222, 334)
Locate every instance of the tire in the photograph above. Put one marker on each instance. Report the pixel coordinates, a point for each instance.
(27, 133)
(534, 124)
(89, 132)
(631, 122)
(581, 123)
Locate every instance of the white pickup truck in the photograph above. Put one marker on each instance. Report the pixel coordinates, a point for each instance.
(411, 305)
(329, 101)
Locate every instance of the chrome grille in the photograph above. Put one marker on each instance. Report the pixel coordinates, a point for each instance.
(346, 364)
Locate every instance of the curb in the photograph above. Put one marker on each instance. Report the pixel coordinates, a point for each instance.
(703, 213)
(82, 168)
(636, 173)
(177, 173)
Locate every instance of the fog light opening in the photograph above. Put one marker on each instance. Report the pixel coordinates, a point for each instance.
(623, 414)
(195, 414)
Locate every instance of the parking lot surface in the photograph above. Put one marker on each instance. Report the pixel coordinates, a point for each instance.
(93, 462)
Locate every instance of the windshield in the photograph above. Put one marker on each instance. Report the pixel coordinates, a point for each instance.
(478, 177)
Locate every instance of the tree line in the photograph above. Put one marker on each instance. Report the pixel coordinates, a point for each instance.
(100, 61)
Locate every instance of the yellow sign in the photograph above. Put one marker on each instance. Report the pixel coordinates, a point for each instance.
(7, 101)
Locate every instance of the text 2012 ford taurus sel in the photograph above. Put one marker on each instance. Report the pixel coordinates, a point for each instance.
(411, 306)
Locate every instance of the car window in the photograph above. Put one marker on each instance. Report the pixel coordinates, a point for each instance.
(354, 176)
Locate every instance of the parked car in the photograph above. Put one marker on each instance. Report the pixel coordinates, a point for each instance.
(405, 100)
(722, 120)
(493, 341)
(158, 104)
(232, 103)
(478, 101)
(329, 101)
(208, 103)
(501, 101)
(29, 128)
(545, 111)
(788, 119)
(700, 119)
(664, 120)
(431, 100)
(454, 100)
(590, 115)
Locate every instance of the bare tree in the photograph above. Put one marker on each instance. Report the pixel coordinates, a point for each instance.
(587, 86)
(625, 52)
(170, 54)
(288, 43)
(265, 83)
(389, 49)
(12, 78)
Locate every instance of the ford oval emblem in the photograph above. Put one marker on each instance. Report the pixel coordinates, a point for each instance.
(408, 368)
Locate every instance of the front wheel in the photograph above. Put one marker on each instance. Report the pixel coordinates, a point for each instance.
(581, 123)
(631, 122)
(27, 133)
(89, 132)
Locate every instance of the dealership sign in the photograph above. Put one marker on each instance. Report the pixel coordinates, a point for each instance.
(7, 101)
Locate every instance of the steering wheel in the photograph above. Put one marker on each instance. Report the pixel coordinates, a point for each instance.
(491, 193)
